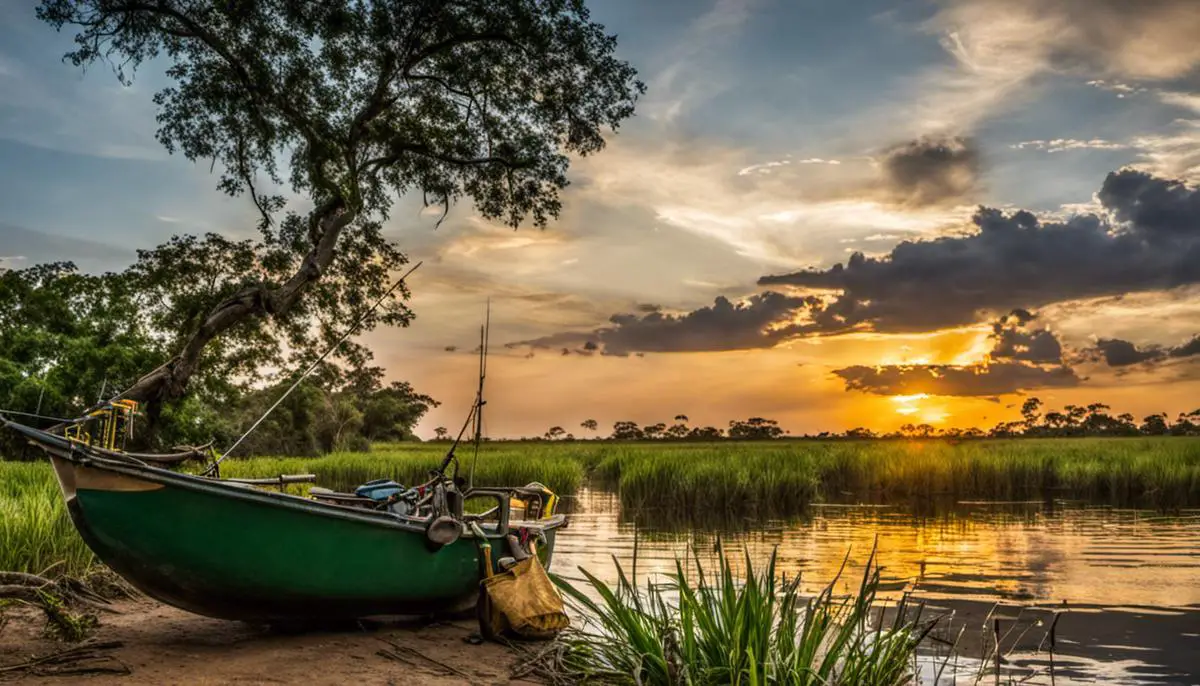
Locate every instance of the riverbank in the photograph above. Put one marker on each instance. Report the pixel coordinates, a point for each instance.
(162, 645)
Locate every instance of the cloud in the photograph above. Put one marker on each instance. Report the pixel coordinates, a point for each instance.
(1016, 342)
(932, 171)
(1118, 352)
(983, 380)
(692, 69)
(1015, 260)
(1159, 209)
(1118, 39)
(761, 321)
(1064, 144)
(1021, 358)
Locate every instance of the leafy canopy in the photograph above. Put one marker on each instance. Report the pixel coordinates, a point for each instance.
(347, 104)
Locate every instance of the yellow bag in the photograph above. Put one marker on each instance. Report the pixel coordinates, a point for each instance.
(524, 600)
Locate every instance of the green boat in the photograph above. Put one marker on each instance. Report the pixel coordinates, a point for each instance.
(232, 549)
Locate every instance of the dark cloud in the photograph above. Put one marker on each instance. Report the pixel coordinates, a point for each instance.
(1013, 341)
(1121, 353)
(1021, 358)
(932, 171)
(1014, 260)
(997, 378)
(761, 322)
(1163, 210)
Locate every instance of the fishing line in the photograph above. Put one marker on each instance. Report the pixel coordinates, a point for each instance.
(349, 332)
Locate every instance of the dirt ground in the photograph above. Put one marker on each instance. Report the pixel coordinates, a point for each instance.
(162, 645)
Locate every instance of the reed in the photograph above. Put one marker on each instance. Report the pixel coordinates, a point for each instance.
(780, 478)
(499, 465)
(36, 534)
(751, 630)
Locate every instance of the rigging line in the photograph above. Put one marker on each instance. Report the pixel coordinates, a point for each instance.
(37, 416)
(349, 332)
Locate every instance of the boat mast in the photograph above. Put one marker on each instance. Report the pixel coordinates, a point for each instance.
(479, 401)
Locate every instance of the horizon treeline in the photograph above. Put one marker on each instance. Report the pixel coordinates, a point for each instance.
(1095, 419)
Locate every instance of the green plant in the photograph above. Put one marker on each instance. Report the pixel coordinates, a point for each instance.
(754, 630)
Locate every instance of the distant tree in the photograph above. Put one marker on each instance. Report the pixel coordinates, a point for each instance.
(678, 431)
(707, 433)
(555, 432)
(755, 428)
(1155, 425)
(860, 433)
(681, 418)
(441, 433)
(589, 424)
(627, 431)
(654, 431)
(1030, 412)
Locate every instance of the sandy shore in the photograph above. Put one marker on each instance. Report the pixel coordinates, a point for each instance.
(163, 645)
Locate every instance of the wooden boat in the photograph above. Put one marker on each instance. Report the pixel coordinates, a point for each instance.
(226, 548)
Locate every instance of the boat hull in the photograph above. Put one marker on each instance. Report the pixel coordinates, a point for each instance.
(235, 552)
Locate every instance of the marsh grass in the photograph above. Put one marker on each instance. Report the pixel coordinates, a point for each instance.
(777, 479)
(36, 534)
(751, 630)
(499, 465)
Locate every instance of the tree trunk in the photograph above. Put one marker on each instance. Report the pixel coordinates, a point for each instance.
(170, 380)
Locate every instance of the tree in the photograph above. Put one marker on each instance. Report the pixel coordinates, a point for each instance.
(361, 102)
(1030, 412)
(555, 432)
(441, 433)
(681, 418)
(589, 424)
(1155, 424)
(755, 428)
(627, 431)
(654, 431)
(707, 433)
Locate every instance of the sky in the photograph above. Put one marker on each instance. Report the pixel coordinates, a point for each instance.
(829, 214)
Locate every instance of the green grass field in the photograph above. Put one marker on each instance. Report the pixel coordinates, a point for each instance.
(694, 483)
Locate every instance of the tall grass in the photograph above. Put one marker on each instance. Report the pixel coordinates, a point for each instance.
(780, 478)
(499, 465)
(36, 532)
(724, 630)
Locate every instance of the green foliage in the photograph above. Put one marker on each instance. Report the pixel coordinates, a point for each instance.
(350, 105)
(66, 338)
(725, 630)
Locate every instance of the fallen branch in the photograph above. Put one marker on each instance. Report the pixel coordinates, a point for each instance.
(73, 661)
(405, 655)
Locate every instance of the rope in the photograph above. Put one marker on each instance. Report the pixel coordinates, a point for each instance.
(349, 332)
(38, 416)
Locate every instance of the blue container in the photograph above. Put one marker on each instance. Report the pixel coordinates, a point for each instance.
(379, 489)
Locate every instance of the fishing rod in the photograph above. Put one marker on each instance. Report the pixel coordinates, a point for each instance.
(349, 332)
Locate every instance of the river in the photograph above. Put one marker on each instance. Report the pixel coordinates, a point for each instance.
(1125, 583)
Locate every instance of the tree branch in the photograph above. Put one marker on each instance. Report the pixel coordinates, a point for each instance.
(454, 41)
(399, 151)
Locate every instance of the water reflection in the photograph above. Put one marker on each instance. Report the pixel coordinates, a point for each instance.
(1127, 581)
